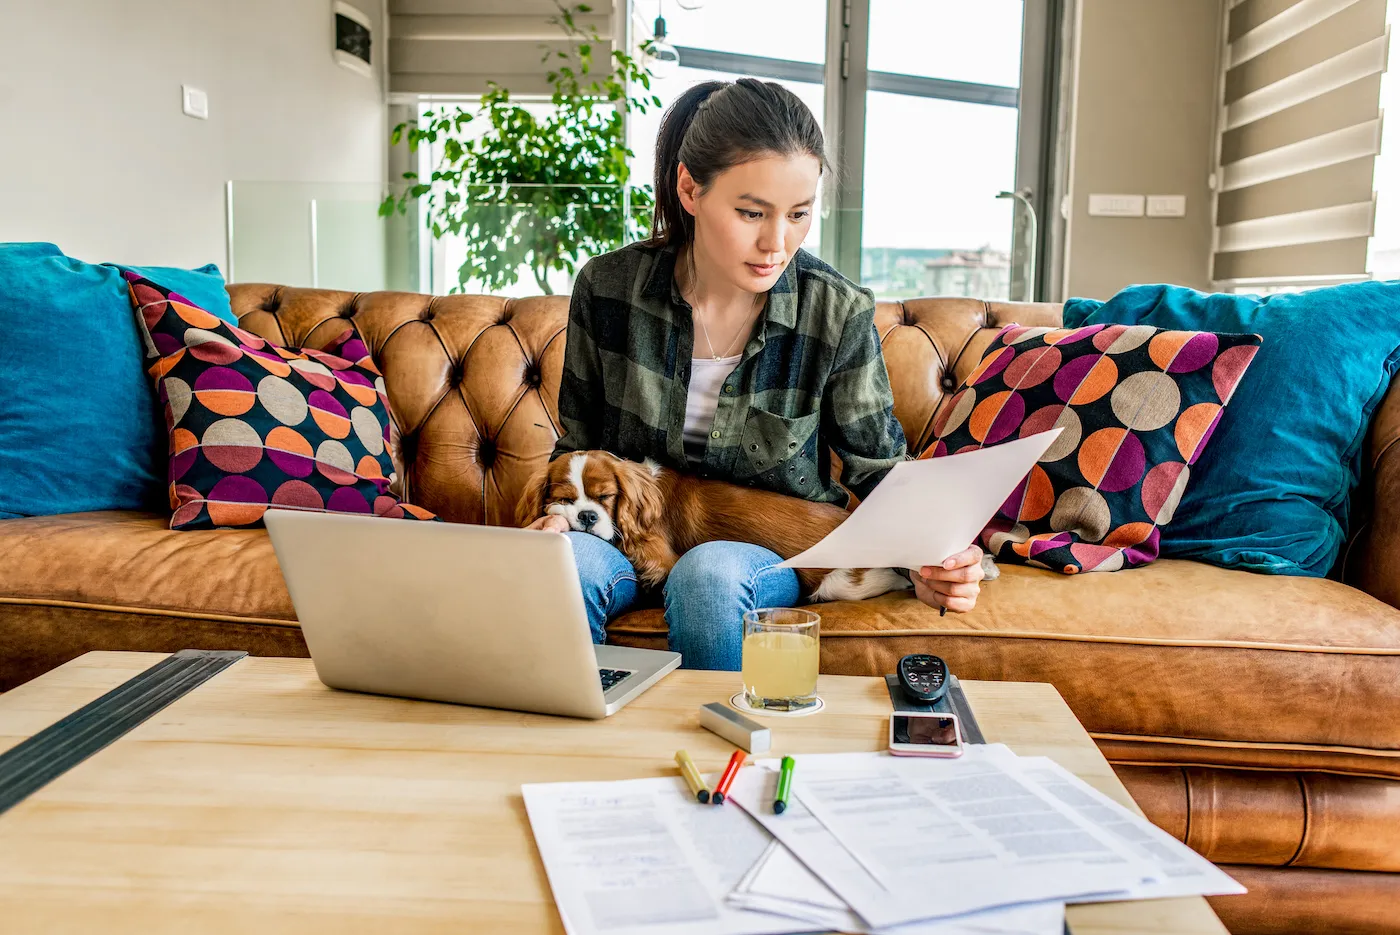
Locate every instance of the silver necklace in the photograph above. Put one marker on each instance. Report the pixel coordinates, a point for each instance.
(705, 330)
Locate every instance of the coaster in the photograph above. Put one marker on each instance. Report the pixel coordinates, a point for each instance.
(741, 702)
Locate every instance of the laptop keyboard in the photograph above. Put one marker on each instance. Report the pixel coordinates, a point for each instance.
(611, 677)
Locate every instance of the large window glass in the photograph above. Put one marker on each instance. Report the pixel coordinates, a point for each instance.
(939, 150)
(977, 42)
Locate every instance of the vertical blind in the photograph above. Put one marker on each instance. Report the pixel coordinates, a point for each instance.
(1299, 128)
(453, 47)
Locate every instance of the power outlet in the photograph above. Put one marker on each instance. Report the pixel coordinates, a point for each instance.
(195, 102)
(1116, 206)
(1166, 206)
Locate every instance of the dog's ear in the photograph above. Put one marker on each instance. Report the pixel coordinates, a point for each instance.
(531, 505)
(640, 520)
(639, 507)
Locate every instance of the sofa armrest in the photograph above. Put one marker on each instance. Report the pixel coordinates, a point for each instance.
(1380, 564)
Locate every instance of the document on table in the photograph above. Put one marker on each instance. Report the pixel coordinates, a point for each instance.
(907, 839)
(642, 856)
(780, 883)
(1182, 872)
(925, 511)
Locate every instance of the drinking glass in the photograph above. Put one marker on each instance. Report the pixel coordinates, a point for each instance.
(781, 658)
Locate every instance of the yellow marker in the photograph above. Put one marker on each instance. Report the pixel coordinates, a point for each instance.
(692, 777)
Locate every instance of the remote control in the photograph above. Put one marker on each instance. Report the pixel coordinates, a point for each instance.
(924, 677)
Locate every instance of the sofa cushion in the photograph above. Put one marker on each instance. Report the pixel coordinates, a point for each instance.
(79, 422)
(1135, 408)
(254, 425)
(1176, 661)
(125, 581)
(1273, 492)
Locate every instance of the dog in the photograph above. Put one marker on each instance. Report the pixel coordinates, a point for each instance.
(654, 515)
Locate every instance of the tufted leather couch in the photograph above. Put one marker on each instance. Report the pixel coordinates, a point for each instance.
(1257, 718)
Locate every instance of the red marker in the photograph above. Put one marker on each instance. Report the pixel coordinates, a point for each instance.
(727, 777)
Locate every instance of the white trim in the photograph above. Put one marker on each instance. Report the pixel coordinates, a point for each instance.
(1339, 222)
(341, 8)
(228, 230)
(1329, 149)
(1265, 282)
(1293, 21)
(1369, 58)
(315, 248)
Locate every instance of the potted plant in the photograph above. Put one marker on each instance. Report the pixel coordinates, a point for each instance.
(543, 192)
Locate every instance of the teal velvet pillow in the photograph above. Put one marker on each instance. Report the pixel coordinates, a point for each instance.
(80, 428)
(1272, 491)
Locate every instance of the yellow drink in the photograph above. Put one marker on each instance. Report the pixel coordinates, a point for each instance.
(780, 669)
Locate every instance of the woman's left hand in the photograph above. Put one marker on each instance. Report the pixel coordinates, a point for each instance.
(954, 584)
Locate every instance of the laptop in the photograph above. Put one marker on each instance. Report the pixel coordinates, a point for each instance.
(475, 615)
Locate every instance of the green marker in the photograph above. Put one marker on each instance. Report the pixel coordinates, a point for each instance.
(780, 804)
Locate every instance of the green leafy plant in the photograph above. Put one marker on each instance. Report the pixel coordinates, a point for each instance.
(538, 191)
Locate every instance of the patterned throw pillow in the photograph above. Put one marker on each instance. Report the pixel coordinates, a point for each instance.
(1137, 406)
(253, 425)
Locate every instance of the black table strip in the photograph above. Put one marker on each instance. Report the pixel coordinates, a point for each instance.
(954, 701)
(34, 763)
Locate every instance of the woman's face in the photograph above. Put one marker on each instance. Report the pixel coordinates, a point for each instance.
(752, 218)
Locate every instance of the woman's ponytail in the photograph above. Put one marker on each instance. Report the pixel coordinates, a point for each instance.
(671, 222)
(717, 125)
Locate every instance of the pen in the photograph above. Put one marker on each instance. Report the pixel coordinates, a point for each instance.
(692, 777)
(780, 801)
(727, 777)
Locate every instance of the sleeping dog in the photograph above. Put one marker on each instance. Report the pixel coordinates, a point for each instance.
(654, 515)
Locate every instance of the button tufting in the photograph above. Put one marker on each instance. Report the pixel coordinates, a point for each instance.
(426, 315)
(948, 383)
(349, 310)
(486, 452)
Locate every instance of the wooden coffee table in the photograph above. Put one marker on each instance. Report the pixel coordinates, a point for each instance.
(265, 802)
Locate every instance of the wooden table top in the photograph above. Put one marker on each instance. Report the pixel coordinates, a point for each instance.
(264, 801)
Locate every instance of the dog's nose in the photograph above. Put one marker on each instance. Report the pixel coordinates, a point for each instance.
(589, 518)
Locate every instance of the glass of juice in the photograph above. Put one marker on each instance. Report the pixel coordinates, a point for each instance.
(781, 658)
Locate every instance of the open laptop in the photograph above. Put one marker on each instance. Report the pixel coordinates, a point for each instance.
(474, 615)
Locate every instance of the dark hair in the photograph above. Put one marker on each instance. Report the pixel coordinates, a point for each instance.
(717, 125)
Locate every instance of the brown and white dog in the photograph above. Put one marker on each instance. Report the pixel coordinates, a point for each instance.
(654, 515)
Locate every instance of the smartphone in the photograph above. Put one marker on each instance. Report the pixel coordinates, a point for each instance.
(925, 733)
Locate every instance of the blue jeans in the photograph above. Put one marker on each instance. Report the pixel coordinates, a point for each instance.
(705, 595)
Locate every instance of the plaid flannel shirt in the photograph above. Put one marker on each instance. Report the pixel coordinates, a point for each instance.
(811, 380)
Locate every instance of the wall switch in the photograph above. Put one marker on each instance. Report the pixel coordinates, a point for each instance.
(1115, 206)
(1166, 206)
(195, 102)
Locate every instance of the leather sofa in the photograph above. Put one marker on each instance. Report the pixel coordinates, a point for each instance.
(1257, 718)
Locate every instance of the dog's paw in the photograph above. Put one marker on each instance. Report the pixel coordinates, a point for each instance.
(857, 584)
(990, 571)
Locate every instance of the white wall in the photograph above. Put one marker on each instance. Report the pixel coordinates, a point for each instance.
(96, 156)
(1143, 111)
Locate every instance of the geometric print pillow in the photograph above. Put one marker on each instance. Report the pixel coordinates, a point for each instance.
(1137, 406)
(254, 425)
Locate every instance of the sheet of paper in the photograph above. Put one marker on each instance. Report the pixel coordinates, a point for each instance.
(904, 839)
(1183, 872)
(925, 511)
(780, 883)
(642, 857)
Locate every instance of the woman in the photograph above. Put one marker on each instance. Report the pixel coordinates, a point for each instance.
(719, 338)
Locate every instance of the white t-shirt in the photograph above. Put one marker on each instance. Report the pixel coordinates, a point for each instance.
(707, 377)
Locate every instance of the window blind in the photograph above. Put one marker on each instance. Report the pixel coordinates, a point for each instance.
(1298, 131)
(454, 47)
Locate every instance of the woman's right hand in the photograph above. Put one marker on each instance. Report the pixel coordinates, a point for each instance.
(550, 523)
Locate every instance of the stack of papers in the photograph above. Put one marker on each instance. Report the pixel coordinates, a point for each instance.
(986, 843)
